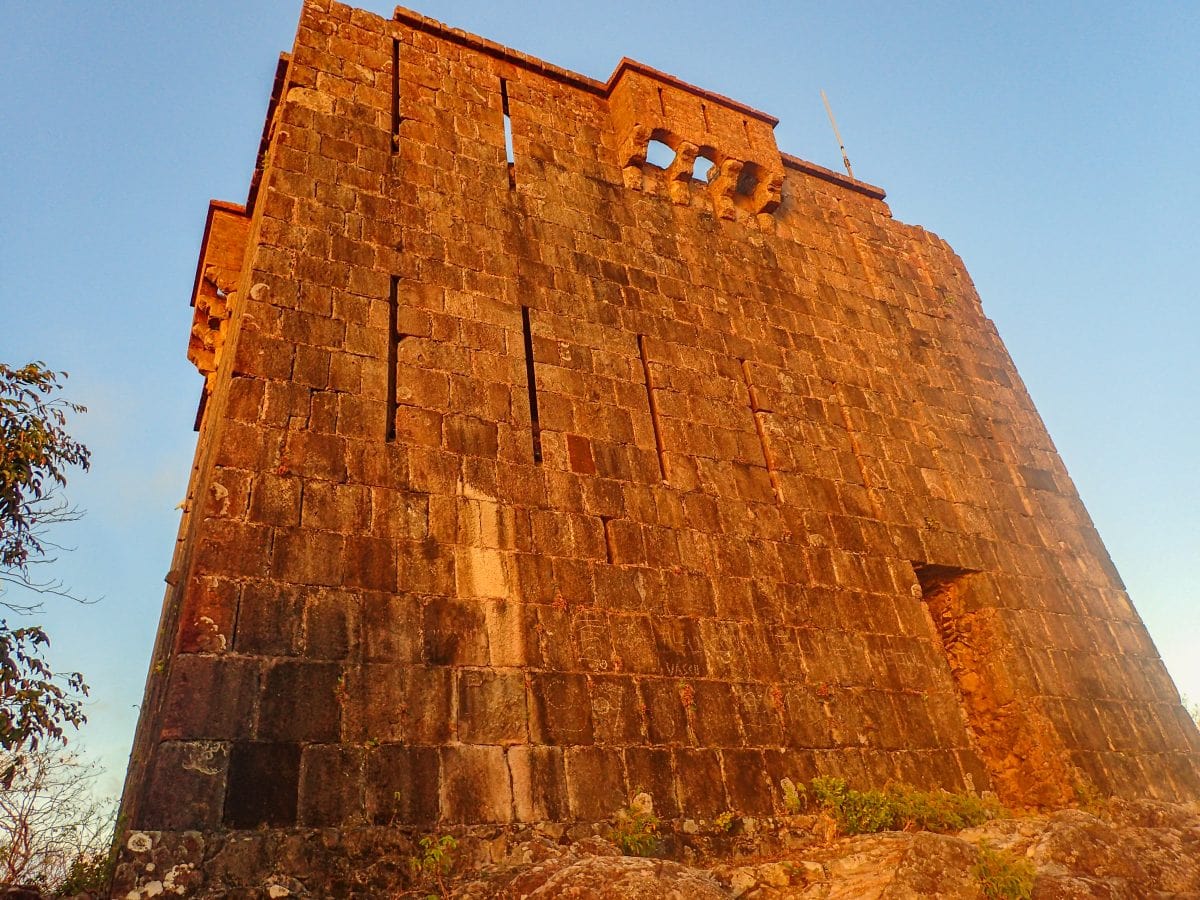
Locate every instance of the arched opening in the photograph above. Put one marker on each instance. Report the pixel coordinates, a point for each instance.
(659, 154)
(748, 180)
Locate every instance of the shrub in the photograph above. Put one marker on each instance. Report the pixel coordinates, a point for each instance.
(431, 866)
(635, 829)
(899, 807)
(1003, 876)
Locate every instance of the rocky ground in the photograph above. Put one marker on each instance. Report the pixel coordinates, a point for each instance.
(1114, 851)
(1126, 850)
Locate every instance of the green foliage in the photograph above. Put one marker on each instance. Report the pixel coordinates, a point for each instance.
(435, 861)
(35, 704)
(726, 820)
(795, 797)
(855, 812)
(899, 807)
(35, 450)
(1003, 876)
(88, 874)
(1087, 795)
(635, 829)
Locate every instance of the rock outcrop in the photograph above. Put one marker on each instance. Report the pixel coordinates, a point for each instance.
(1127, 850)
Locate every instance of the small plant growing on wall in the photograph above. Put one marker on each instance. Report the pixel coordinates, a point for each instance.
(726, 821)
(795, 797)
(635, 827)
(433, 863)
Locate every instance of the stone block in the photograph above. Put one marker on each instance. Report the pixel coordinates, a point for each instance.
(469, 436)
(370, 563)
(649, 770)
(616, 710)
(747, 781)
(666, 715)
(262, 786)
(475, 785)
(301, 701)
(332, 784)
(275, 500)
(185, 789)
(700, 783)
(206, 620)
(306, 556)
(270, 616)
(561, 709)
(538, 783)
(713, 714)
(455, 633)
(579, 452)
(402, 784)
(234, 550)
(491, 707)
(391, 628)
(209, 698)
(331, 625)
(312, 455)
(595, 782)
(481, 572)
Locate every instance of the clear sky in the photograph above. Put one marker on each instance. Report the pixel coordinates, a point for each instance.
(1052, 144)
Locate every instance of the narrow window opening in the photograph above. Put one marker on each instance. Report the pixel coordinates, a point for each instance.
(746, 131)
(395, 96)
(659, 154)
(760, 426)
(653, 404)
(393, 348)
(662, 103)
(535, 426)
(508, 135)
(704, 113)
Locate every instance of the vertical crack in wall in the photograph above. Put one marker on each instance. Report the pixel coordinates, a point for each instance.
(1020, 748)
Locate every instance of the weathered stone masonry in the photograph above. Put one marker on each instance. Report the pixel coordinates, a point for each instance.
(521, 486)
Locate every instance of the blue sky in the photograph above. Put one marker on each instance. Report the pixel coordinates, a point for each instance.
(1051, 144)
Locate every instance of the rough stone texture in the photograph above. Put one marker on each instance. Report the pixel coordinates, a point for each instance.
(1124, 850)
(522, 486)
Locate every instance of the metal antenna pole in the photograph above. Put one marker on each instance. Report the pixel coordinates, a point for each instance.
(837, 134)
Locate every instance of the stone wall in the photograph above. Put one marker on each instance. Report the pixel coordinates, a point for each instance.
(525, 484)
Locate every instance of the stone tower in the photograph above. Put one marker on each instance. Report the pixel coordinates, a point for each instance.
(531, 474)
